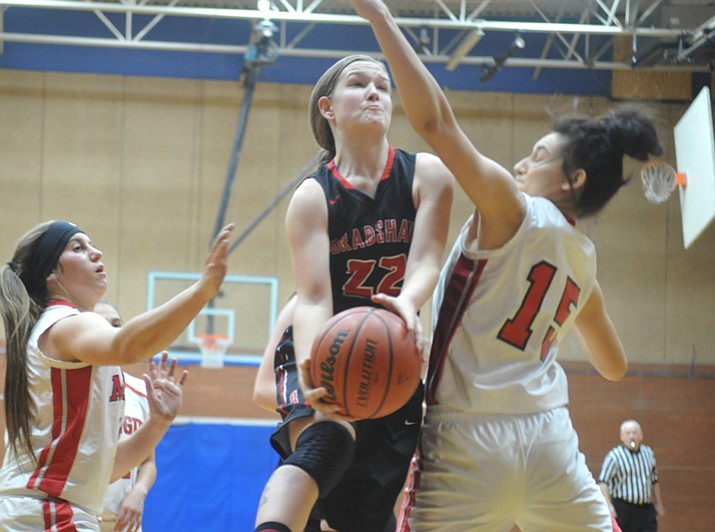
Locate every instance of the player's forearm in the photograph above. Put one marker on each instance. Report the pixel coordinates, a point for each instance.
(147, 334)
(146, 474)
(309, 318)
(424, 102)
(420, 283)
(135, 450)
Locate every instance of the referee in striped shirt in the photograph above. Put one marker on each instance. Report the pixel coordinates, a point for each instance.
(629, 481)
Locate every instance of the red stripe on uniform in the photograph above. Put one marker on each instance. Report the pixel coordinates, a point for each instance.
(140, 393)
(71, 391)
(412, 486)
(347, 184)
(388, 166)
(455, 301)
(57, 514)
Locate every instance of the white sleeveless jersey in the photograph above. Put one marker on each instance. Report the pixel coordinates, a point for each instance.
(136, 412)
(77, 412)
(499, 315)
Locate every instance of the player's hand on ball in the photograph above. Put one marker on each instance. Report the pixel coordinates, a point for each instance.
(314, 396)
(404, 308)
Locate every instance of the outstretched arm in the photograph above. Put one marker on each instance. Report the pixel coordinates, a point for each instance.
(604, 348)
(90, 338)
(490, 186)
(164, 394)
(433, 193)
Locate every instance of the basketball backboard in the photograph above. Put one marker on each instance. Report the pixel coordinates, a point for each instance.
(695, 156)
(243, 313)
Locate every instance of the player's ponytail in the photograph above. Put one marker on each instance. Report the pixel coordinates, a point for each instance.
(633, 132)
(597, 145)
(20, 311)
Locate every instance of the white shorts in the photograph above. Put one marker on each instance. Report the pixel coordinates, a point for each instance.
(487, 473)
(30, 514)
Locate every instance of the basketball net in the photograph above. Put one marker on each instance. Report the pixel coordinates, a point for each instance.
(660, 180)
(213, 350)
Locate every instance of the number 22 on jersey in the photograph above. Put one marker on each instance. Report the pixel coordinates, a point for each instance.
(361, 271)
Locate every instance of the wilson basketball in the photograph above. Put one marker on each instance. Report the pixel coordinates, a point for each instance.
(366, 361)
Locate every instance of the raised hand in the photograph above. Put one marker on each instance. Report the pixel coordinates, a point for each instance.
(216, 262)
(164, 392)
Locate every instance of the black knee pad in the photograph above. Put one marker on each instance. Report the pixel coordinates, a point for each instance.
(324, 451)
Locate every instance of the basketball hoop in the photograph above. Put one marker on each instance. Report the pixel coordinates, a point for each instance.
(660, 180)
(213, 349)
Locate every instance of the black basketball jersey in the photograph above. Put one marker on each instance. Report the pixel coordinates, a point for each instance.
(369, 238)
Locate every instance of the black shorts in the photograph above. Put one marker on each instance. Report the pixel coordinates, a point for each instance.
(641, 517)
(365, 497)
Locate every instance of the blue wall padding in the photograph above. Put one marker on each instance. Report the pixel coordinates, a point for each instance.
(210, 478)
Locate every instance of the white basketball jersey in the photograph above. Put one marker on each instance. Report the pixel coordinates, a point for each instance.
(75, 430)
(499, 315)
(136, 412)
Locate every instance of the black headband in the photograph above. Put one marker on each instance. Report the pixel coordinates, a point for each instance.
(49, 248)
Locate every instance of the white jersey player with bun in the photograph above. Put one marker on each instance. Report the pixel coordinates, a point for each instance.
(493, 368)
(498, 447)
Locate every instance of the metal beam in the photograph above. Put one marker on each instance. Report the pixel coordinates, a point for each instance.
(604, 24)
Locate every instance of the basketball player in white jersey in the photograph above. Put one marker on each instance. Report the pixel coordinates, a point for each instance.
(64, 389)
(123, 505)
(498, 447)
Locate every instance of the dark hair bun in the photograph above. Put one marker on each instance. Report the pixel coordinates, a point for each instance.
(632, 130)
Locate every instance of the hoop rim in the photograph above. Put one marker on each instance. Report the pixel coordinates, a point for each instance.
(210, 342)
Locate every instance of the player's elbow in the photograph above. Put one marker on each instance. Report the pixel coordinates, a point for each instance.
(616, 371)
(263, 398)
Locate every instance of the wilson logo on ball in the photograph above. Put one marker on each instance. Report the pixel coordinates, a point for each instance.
(327, 366)
(366, 361)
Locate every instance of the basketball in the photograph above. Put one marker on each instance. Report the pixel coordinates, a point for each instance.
(366, 361)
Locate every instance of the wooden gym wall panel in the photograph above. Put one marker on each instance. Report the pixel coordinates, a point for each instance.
(159, 176)
(81, 156)
(297, 148)
(21, 141)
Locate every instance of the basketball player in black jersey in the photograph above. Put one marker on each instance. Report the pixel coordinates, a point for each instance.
(367, 228)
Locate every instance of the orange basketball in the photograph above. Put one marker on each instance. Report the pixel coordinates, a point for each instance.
(366, 361)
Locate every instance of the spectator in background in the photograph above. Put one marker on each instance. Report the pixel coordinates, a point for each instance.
(123, 505)
(630, 482)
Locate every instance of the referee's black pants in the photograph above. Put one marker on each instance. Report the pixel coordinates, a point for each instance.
(635, 517)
